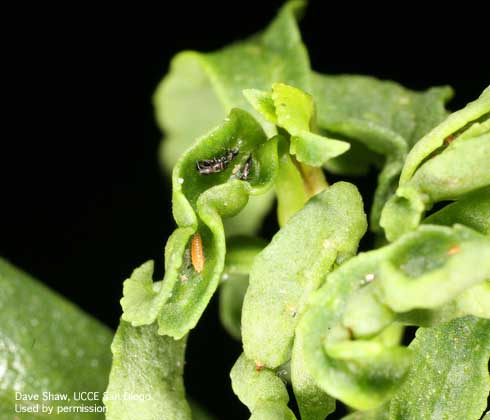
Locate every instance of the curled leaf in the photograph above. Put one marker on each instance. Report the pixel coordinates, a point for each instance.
(200, 201)
(435, 172)
(207, 86)
(340, 330)
(377, 116)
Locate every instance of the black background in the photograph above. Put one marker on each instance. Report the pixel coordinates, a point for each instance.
(83, 200)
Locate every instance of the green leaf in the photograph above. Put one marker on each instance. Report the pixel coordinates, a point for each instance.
(382, 116)
(239, 257)
(293, 110)
(260, 390)
(363, 374)
(473, 211)
(435, 138)
(199, 204)
(449, 377)
(427, 276)
(460, 169)
(202, 88)
(313, 402)
(434, 172)
(149, 366)
(326, 231)
(48, 344)
(272, 410)
(378, 414)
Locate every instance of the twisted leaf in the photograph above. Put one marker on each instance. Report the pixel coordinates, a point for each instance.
(428, 268)
(381, 119)
(207, 86)
(199, 204)
(434, 172)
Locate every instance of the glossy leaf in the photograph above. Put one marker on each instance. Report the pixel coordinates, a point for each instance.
(47, 345)
(199, 204)
(326, 231)
(449, 377)
(201, 88)
(150, 366)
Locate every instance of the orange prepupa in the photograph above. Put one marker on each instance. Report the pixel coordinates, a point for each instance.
(197, 253)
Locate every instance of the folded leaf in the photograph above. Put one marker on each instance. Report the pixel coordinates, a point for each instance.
(435, 171)
(48, 345)
(150, 367)
(382, 116)
(449, 376)
(200, 201)
(460, 169)
(202, 88)
(451, 125)
(326, 231)
(426, 277)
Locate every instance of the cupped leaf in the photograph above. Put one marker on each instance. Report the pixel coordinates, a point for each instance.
(260, 389)
(201, 88)
(146, 376)
(48, 345)
(382, 116)
(449, 376)
(200, 202)
(326, 231)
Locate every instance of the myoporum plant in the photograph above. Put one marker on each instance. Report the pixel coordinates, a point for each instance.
(252, 125)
